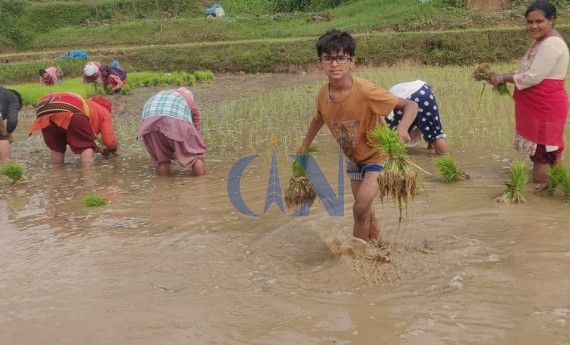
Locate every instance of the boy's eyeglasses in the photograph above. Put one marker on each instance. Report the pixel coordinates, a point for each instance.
(341, 59)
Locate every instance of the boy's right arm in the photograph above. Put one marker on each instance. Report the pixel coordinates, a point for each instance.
(314, 127)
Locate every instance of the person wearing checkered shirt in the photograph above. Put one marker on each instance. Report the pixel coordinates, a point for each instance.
(171, 130)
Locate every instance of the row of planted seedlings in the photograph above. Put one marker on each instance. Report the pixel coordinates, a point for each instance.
(247, 126)
(31, 92)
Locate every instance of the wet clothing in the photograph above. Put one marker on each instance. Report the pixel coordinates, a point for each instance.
(9, 108)
(541, 100)
(78, 135)
(428, 119)
(170, 129)
(351, 119)
(63, 119)
(357, 171)
(542, 156)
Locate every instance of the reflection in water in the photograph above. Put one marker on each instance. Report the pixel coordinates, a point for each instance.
(170, 261)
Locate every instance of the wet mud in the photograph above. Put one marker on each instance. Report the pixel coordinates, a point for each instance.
(172, 261)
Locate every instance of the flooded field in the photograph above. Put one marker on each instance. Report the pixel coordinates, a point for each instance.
(172, 261)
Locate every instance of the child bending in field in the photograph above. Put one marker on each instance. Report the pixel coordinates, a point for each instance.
(428, 121)
(351, 107)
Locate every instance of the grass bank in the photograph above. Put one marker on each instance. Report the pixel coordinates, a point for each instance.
(454, 47)
(252, 39)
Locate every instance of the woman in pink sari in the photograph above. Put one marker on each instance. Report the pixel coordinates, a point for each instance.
(541, 101)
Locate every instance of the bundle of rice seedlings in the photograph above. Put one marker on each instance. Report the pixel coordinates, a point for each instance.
(485, 73)
(13, 170)
(449, 171)
(91, 199)
(556, 175)
(398, 179)
(513, 193)
(565, 185)
(300, 188)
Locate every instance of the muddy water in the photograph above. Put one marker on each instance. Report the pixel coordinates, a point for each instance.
(171, 261)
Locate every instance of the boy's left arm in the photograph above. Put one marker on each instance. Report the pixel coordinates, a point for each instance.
(410, 110)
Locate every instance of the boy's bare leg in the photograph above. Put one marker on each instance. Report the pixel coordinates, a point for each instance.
(57, 157)
(364, 193)
(375, 233)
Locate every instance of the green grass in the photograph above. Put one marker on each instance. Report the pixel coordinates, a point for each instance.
(31, 92)
(253, 41)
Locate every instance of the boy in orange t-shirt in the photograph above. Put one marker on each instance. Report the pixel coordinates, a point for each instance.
(351, 107)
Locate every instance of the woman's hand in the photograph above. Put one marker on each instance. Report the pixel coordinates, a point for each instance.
(107, 151)
(497, 79)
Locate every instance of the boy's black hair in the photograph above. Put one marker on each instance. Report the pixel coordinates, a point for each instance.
(42, 71)
(17, 94)
(547, 8)
(334, 41)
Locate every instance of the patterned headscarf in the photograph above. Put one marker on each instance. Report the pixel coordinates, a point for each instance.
(65, 102)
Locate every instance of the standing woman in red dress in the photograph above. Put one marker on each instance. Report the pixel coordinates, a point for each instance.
(541, 100)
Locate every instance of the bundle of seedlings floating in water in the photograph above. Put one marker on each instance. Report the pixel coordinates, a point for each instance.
(398, 179)
(91, 199)
(449, 171)
(556, 176)
(513, 193)
(485, 73)
(13, 170)
(300, 188)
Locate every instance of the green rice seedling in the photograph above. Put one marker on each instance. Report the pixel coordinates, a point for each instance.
(518, 178)
(126, 89)
(449, 171)
(485, 73)
(204, 75)
(565, 185)
(398, 179)
(556, 175)
(190, 79)
(13, 170)
(300, 188)
(91, 199)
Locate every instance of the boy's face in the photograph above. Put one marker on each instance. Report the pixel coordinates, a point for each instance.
(335, 65)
